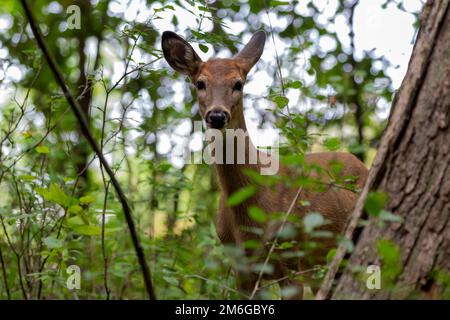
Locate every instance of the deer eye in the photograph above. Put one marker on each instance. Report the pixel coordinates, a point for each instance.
(201, 85)
(237, 86)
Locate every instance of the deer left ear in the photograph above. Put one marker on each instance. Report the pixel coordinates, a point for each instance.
(180, 54)
(252, 51)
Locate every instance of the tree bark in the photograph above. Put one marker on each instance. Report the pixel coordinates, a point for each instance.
(81, 151)
(413, 167)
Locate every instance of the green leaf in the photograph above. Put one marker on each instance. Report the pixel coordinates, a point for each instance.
(389, 216)
(285, 245)
(347, 243)
(164, 167)
(77, 224)
(27, 177)
(319, 274)
(87, 230)
(293, 159)
(312, 221)
(289, 292)
(53, 243)
(76, 209)
(42, 149)
(390, 256)
(172, 281)
(388, 250)
(287, 232)
(27, 134)
(55, 194)
(264, 268)
(294, 84)
(252, 244)
(241, 195)
(257, 214)
(87, 200)
(203, 48)
(74, 221)
(375, 202)
(332, 144)
(322, 234)
(259, 179)
(292, 254)
(275, 3)
(330, 255)
(280, 101)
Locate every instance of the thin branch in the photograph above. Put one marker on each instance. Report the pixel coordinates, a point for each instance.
(276, 53)
(217, 283)
(89, 137)
(298, 273)
(274, 243)
(5, 279)
(105, 257)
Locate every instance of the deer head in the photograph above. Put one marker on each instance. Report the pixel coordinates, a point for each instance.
(219, 82)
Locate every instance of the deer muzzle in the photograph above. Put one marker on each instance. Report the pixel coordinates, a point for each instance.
(217, 118)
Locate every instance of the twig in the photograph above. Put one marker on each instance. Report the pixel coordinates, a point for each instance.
(88, 135)
(276, 53)
(105, 257)
(298, 273)
(216, 283)
(5, 279)
(274, 243)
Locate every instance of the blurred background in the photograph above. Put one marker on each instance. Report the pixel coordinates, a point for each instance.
(333, 66)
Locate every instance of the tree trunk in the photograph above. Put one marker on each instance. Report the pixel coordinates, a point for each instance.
(413, 168)
(82, 151)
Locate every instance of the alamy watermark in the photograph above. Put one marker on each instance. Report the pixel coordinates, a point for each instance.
(373, 282)
(234, 146)
(74, 17)
(74, 279)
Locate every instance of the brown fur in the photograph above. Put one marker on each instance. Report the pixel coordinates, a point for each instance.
(335, 204)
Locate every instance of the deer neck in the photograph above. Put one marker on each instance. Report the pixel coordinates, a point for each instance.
(231, 173)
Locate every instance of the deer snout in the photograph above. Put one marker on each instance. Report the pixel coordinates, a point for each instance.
(217, 118)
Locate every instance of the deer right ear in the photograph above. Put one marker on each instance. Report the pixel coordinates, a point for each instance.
(252, 51)
(179, 54)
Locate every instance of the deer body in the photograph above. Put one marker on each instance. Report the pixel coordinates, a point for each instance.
(219, 85)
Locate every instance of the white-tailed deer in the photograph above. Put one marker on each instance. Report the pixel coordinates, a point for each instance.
(220, 84)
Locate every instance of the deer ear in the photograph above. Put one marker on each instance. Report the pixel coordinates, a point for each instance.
(252, 51)
(180, 54)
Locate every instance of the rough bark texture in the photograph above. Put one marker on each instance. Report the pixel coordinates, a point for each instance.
(413, 168)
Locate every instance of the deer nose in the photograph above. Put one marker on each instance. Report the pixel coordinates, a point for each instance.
(217, 119)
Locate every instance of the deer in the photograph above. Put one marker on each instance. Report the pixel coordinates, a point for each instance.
(219, 86)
